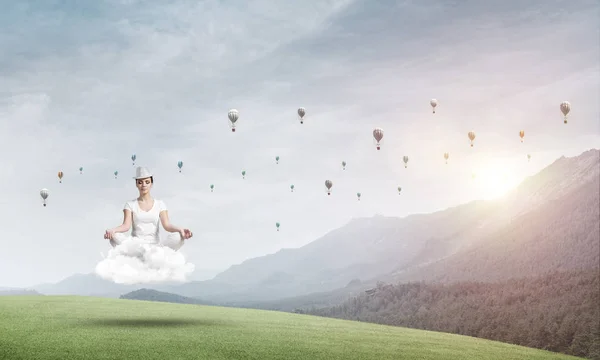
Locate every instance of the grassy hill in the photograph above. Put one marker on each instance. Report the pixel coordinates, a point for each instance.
(71, 327)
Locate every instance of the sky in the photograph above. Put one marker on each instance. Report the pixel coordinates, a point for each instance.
(91, 83)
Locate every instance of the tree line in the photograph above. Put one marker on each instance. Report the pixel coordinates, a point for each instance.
(558, 311)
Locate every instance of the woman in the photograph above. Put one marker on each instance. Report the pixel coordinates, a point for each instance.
(145, 213)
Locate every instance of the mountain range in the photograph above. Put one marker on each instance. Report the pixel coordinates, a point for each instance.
(551, 221)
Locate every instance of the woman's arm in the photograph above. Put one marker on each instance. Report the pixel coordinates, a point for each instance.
(126, 223)
(164, 220)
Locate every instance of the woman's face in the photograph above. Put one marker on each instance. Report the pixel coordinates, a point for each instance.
(143, 185)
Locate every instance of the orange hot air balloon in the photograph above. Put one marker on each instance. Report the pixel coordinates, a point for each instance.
(60, 176)
(522, 135)
(471, 137)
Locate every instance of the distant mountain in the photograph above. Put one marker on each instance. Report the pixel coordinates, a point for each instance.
(18, 292)
(86, 285)
(550, 221)
(153, 295)
(204, 274)
(312, 300)
(92, 285)
(363, 249)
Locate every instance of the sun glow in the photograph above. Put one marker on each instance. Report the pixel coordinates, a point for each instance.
(494, 180)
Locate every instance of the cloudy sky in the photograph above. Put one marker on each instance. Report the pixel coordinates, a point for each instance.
(90, 85)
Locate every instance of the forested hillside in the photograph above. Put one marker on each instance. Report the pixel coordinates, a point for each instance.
(559, 311)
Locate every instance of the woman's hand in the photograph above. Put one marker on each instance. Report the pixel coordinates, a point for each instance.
(108, 234)
(185, 233)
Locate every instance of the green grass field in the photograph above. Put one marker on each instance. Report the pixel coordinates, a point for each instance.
(72, 327)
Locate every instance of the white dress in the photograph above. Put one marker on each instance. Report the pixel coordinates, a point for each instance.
(145, 226)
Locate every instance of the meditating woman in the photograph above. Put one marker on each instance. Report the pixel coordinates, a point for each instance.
(144, 214)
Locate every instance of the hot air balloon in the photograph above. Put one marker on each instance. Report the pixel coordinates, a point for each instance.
(292, 187)
(471, 137)
(358, 196)
(233, 116)
(378, 135)
(565, 108)
(301, 113)
(528, 157)
(276, 159)
(399, 190)
(180, 165)
(44, 195)
(405, 159)
(60, 176)
(343, 165)
(116, 173)
(133, 157)
(277, 225)
(328, 185)
(521, 135)
(211, 187)
(243, 174)
(433, 103)
(81, 170)
(446, 156)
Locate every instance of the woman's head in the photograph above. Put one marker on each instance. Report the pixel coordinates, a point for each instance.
(144, 185)
(143, 180)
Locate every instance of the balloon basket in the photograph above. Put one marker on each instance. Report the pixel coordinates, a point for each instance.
(565, 121)
(44, 204)
(378, 148)
(233, 130)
